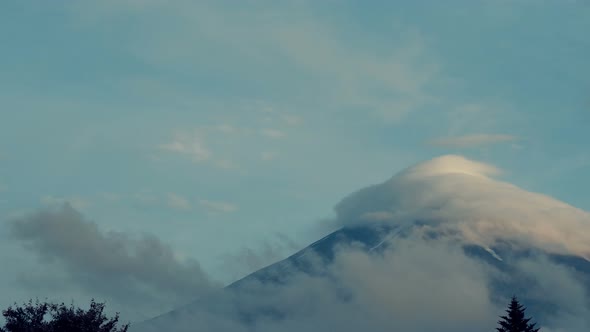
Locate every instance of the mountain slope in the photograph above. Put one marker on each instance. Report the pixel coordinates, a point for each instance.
(439, 247)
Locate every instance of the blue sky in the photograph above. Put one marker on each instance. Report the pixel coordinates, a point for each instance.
(217, 125)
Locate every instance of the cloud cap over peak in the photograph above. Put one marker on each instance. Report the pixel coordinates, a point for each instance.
(454, 195)
(449, 164)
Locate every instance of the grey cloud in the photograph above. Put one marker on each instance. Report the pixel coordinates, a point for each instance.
(114, 265)
(407, 289)
(250, 259)
(417, 284)
(563, 287)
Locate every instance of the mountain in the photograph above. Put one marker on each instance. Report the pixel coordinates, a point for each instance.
(440, 246)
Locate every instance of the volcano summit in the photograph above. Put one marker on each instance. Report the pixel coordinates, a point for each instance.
(440, 246)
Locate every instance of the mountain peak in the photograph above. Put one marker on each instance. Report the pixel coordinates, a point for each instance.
(455, 195)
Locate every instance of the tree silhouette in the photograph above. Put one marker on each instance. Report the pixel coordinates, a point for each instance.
(515, 320)
(51, 317)
(28, 318)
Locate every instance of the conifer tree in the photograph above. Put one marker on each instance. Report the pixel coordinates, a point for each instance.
(50, 317)
(515, 320)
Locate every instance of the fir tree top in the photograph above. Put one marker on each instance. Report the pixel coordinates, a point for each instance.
(515, 320)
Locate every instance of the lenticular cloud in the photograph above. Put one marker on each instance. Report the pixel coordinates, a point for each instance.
(459, 196)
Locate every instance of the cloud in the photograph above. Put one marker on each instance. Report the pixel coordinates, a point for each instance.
(324, 67)
(178, 202)
(272, 133)
(76, 202)
(191, 145)
(228, 143)
(250, 259)
(414, 280)
(360, 291)
(137, 271)
(560, 287)
(226, 128)
(268, 156)
(456, 195)
(145, 197)
(469, 141)
(292, 120)
(217, 206)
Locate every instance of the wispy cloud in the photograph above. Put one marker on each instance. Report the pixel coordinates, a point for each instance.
(76, 202)
(474, 140)
(177, 202)
(191, 145)
(268, 156)
(292, 120)
(227, 145)
(146, 197)
(272, 133)
(388, 84)
(226, 128)
(217, 206)
(249, 259)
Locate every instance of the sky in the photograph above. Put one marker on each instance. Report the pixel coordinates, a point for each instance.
(226, 132)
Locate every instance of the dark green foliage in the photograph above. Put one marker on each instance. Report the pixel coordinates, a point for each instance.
(50, 317)
(28, 318)
(515, 320)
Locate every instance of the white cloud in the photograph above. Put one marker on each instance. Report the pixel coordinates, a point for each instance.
(292, 120)
(217, 206)
(388, 84)
(190, 145)
(268, 156)
(178, 202)
(111, 196)
(458, 195)
(193, 145)
(448, 165)
(272, 133)
(74, 201)
(231, 145)
(225, 164)
(226, 128)
(474, 140)
(146, 197)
